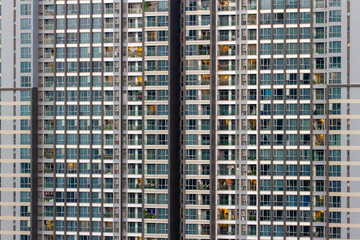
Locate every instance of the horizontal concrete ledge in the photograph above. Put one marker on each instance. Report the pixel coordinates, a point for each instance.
(345, 194)
(354, 116)
(345, 225)
(344, 147)
(344, 178)
(14, 103)
(14, 117)
(15, 189)
(14, 233)
(345, 163)
(14, 203)
(344, 209)
(15, 146)
(344, 132)
(344, 101)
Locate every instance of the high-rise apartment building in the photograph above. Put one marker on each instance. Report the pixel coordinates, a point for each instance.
(192, 120)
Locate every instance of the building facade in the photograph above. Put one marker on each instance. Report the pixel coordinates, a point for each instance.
(193, 120)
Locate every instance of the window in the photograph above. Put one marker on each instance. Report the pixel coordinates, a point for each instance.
(191, 229)
(162, 36)
(60, 24)
(335, 140)
(162, 109)
(291, 18)
(335, 62)
(25, 110)
(305, 17)
(25, 9)
(278, 63)
(334, 3)
(278, 18)
(278, 4)
(320, 17)
(162, 50)
(335, 171)
(335, 186)
(162, 228)
(265, 64)
(265, 230)
(25, 96)
(291, 79)
(305, 63)
(304, 33)
(278, 33)
(291, 170)
(24, 125)
(25, 182)
(24, 225)
(278, 48)
(25, 67)
(265, 49)
(265, 79)
(291, 3)
(335, 31)
(265, 185)
(84, 8)
(335, 77)
(335, 93)
(335, 47)
(291, 200)
(304, 110)
(320, 32)
(25, 81)
(25, 24)
(291, 63)
(265, 33)
(335, 232)
(265, 18)
(25, 38)
(291, 155)
(291, 48)
(25, 52)
(291, 124)
(279, 79)
(278, 109)
(335, 16)
(84, 23)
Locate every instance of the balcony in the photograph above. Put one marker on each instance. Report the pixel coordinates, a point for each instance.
(203, 187)
(226, 202)
(225, 217)
(134, 186)
(226, 142)
(226, 187)
(135, 230)
(226, 127)
(318, 219)
(149, 213)
(222, 157)
(135, 113)
(134, 127)
(108, 229)
(226, 172)
(150, 185)
(226, 38)
(226, 67)
(134, 171)
(226, 232)
(226, 112)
